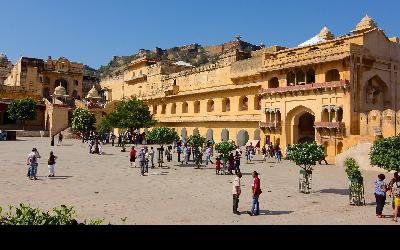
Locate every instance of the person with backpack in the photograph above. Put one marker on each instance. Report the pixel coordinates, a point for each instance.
(256, 190)
(32, 162)
(51, 163)
(380, 194)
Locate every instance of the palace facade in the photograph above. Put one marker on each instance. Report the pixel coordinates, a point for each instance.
(338, 91)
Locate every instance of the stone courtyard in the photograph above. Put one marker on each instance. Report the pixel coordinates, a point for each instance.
(106, 187)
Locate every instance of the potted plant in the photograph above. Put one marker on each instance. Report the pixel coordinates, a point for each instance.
(356, 182)
(306, 155)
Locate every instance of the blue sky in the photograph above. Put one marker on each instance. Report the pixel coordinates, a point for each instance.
(92, 31)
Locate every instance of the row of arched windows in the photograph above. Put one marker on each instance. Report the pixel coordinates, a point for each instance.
(300, 77)
(226, 106)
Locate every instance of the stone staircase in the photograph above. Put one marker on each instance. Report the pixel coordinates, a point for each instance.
(360, 153)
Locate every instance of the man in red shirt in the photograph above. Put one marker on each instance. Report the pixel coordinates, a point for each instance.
(256, 189)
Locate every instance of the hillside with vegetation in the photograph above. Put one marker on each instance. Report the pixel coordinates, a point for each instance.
(194, 54)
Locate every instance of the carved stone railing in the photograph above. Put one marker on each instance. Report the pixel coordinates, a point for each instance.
(314, 86)
(270, 125)
(329, 125)
(136, 79)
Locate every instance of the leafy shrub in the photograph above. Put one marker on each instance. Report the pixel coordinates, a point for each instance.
(26, 215)
(305, 155)
(385, 153)
(83, 120)
(352, 169)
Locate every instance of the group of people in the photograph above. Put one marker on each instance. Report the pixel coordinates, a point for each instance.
(382, 190)
(32, 163)
(145, 156)
(271, 151)
(256, 192)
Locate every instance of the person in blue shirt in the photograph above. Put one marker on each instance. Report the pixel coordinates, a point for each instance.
(380, 194)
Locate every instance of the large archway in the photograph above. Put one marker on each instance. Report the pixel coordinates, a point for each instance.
(225, 135)
(210, 135)
(300, 125)
(242, 138)
(306, 130)
(184, 134)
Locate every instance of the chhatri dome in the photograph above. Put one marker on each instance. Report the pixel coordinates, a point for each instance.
(60, 91)
(93, 94)
(366, 23)
(324, 35)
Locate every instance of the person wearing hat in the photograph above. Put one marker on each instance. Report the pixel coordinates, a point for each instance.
(256, 190)
(32, 162)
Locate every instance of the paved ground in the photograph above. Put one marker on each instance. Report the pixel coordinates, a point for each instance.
(106, 187)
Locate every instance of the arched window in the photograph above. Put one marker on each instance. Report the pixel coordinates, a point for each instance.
(185, 107)
(291, 79)
(76, 82)
(339, 148)
(257, 102)
(332, 75)
(210, 106)
(173, 108)
(273, 83)
(243, 103)
(310, 76)
(196, 107)
(300, 77)
(226, 105)
(163, 109)
(154, 109)
(75, 94)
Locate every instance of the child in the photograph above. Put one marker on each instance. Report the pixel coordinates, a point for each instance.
(218, 166)
(51, 164)
(380, 195)
(133, 157)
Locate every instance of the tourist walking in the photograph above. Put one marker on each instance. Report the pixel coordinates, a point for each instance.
(237, 163)
(60, 138)
(256, 191)
(33, 164)
(133, 157)
(112, 137)
(119, 140)
(231, 161)
(147, 159)
(287, 151)
(209, 155)
(380, 194)
(236, 192)
(151, 154)
(51, 163)
(179, 151)
(278, 154)
(142, 160)
(218, 166)
(394, 187)
(264, 153)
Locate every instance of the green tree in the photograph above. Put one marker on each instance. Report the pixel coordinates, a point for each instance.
(162, 136)
(352, 169)
(22, 110)
(83, 120)
(197, 142)
(356, 185)
(385, 154)
(225, 148)
(131, 114)
(306, 155)
(104, 126)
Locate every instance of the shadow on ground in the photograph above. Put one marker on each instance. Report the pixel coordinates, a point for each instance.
(334, 191)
